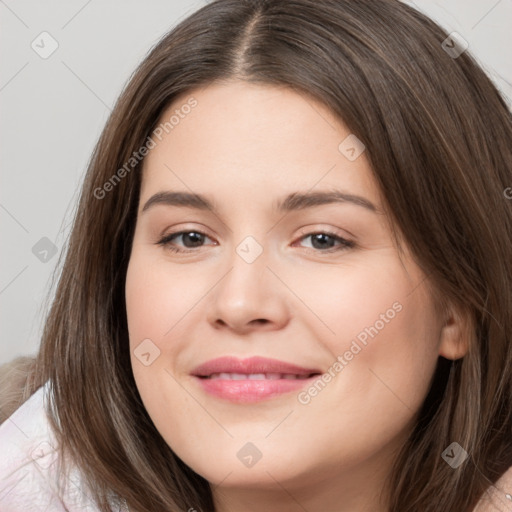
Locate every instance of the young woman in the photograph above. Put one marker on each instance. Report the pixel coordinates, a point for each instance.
(288, 283)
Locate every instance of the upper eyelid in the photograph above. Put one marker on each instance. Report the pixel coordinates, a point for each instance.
(305, 232)
(184, 231)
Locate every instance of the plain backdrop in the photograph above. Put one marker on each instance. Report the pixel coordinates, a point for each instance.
(53, 108)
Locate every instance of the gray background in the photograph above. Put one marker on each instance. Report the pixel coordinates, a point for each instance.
(53, 110)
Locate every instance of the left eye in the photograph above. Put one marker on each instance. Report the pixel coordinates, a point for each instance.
(321, 241)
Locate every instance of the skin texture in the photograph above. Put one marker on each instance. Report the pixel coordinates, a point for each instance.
(246, 146)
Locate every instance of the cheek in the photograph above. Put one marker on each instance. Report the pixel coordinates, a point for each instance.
(156, 300)
(163, 304)
(383, 327)
(158, 296)
(152, 301)
(362, 299)
(385, 354)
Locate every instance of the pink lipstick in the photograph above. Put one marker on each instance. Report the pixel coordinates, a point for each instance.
(253, 379)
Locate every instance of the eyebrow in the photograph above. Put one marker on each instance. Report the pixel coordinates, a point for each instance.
(292, 202)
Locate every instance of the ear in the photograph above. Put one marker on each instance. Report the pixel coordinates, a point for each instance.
(455, 333)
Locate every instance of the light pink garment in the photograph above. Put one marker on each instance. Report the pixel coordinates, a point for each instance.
(28, 464)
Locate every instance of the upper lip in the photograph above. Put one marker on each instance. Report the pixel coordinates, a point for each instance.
(229, 364)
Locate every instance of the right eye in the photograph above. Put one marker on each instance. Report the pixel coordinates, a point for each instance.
(195, 240)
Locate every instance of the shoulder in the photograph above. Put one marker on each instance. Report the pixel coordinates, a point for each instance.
(29, 479)
(498, 497)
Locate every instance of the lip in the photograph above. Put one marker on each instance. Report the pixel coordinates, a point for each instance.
(247, 391)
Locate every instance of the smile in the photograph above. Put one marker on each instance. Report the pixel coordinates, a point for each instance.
(256, 376)
(251, 380)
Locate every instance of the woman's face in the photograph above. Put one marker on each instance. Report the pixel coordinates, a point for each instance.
(292, 261)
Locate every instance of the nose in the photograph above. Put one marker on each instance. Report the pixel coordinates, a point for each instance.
(249, 297)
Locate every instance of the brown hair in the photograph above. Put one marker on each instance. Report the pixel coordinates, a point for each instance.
(438, 137)
(15, 385)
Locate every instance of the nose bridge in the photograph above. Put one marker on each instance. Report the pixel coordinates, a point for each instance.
(248, 275)
(247, 292)
(250, 250)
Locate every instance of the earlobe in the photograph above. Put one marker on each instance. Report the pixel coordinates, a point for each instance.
(455, 334)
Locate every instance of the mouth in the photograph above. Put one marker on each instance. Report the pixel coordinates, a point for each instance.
(257, 376)
(251, 380)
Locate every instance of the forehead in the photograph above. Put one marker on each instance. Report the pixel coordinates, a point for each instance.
(255, 139)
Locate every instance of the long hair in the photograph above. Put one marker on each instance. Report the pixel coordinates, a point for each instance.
(438, 137)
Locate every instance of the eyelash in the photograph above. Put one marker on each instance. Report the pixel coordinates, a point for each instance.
(345, 244)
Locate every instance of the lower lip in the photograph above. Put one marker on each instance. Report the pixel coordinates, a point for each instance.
(247, 391)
